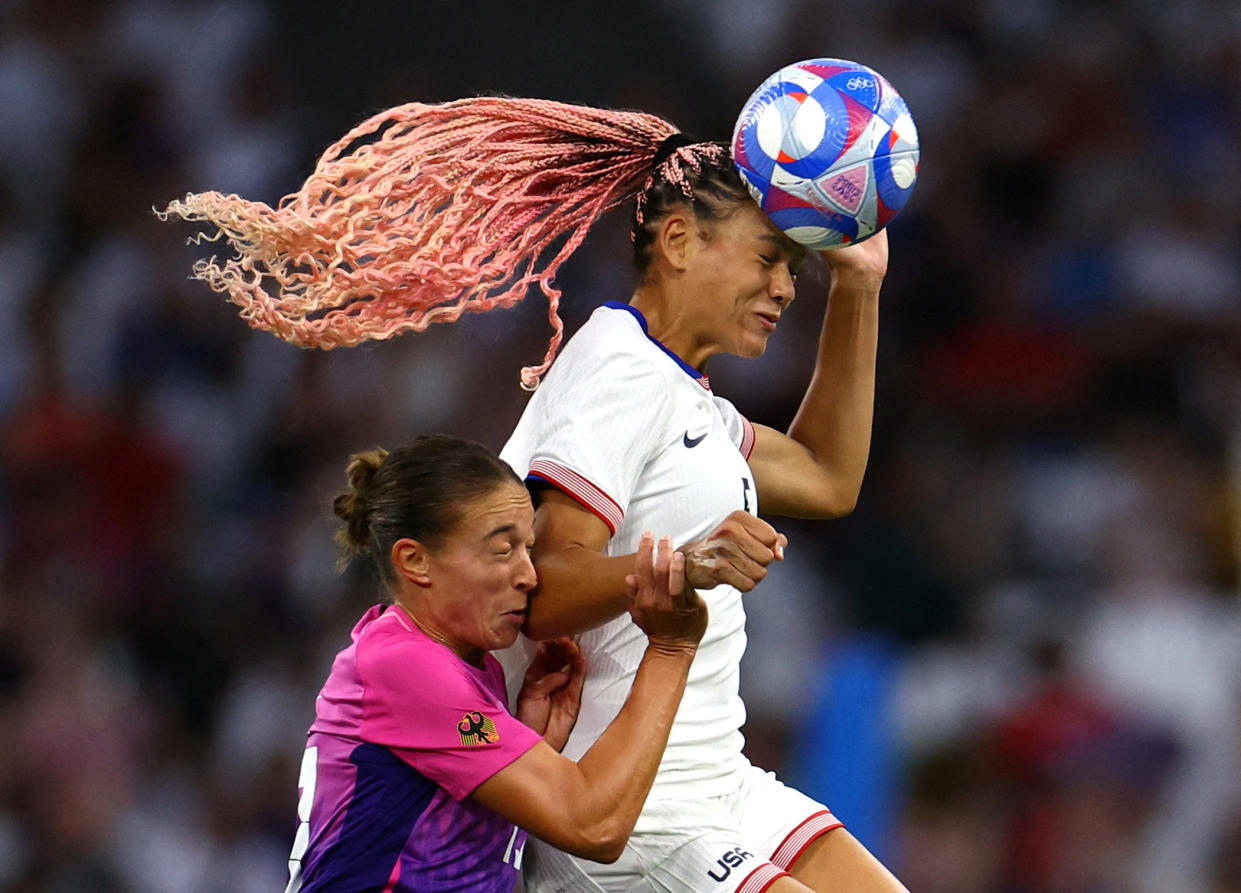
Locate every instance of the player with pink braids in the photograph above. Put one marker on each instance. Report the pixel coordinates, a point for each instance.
(625, 434)
(425, 212)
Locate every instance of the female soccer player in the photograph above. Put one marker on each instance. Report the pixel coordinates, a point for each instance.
(425, 212)
(624, 432)
(416, 777)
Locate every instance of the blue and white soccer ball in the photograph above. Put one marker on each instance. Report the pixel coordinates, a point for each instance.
(829, 151)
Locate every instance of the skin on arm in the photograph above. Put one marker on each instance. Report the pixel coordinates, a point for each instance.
(589, 808)
(816, 470)
(580, 587)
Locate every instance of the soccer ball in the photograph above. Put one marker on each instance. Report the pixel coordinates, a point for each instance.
(828, 150)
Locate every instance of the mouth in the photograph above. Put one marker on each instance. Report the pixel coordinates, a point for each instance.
(768, 320)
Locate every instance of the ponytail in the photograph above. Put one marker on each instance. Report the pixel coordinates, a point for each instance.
(424, 212)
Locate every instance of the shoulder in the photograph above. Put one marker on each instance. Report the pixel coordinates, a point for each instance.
(610, 346)
(611, 327)
(392, 653)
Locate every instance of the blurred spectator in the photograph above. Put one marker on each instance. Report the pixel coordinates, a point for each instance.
(1047, 542)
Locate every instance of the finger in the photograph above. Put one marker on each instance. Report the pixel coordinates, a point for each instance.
(676, 575)
(568, 648)
(574, 689)
(577, 661)
(653, 596)
(557, 652)
(747, 553)
(569, 657)
(645, 567)
(684, 595)
(538, 665)
(663, 561)
(545, 685)
(736, 559)
(745, 533)
(756, 527)
(781, 542)
(553, 681)
(730, 575)
(755, 549)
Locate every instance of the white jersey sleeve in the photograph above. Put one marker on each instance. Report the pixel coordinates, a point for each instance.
(740, 430)
(594, 432)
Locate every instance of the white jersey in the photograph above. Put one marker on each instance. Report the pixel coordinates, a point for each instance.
(634, 433)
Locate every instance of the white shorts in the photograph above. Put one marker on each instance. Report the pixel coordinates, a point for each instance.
(741, 841)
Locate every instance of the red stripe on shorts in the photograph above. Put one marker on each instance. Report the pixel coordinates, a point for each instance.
(761, 878)
(800, 837)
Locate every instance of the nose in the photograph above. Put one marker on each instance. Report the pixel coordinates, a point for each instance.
(782, 288)
(525, 577)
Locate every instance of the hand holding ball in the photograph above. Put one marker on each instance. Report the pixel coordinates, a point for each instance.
(829, 151)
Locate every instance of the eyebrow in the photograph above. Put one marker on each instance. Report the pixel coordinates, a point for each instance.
(502, 529)
(793, 251)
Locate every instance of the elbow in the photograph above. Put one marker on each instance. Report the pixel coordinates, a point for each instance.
(827, 494)
(842, 505)
(611, 854)
(839, 496)
(833, 502)
(603, 842)
(604, 853)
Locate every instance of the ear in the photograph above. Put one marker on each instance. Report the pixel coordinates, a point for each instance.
(677, 236)
(412, 561)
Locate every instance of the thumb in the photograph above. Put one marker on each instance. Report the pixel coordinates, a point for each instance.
(555, 679)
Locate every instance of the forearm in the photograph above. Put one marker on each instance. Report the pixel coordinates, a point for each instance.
(620, 767)
(589, 808)
(579, 588)
(835, 417)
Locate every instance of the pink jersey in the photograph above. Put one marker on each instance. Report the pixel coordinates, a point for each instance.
(405, 730)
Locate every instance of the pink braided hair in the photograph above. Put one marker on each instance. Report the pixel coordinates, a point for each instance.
(442, 209)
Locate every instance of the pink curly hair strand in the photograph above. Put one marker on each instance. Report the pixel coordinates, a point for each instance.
(424, 212)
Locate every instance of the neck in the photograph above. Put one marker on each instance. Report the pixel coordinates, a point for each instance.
(469, 654)
(672, 325)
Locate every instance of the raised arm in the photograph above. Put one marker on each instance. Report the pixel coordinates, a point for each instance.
(589, 808)
(816, 469)
(580, 587)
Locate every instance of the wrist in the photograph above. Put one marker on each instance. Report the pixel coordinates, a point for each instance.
(859, 282)
(671, 649)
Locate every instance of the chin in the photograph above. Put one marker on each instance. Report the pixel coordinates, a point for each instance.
(753, 351)
(505, 639)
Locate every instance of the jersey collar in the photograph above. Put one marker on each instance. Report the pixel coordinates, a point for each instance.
(686, 367)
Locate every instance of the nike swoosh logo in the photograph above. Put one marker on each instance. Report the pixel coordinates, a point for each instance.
(692, 442)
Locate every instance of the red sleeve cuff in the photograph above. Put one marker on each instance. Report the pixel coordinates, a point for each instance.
(591, 497)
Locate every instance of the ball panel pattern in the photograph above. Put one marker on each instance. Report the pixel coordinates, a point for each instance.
(829, 151)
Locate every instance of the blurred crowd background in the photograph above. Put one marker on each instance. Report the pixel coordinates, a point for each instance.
(1015, 668)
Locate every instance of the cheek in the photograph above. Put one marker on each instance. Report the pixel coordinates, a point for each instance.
(749, 283)
(477, 595)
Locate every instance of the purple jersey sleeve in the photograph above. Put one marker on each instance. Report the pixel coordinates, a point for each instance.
(440, 715)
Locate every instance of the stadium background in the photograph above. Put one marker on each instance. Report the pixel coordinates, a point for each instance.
(1015, 668)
